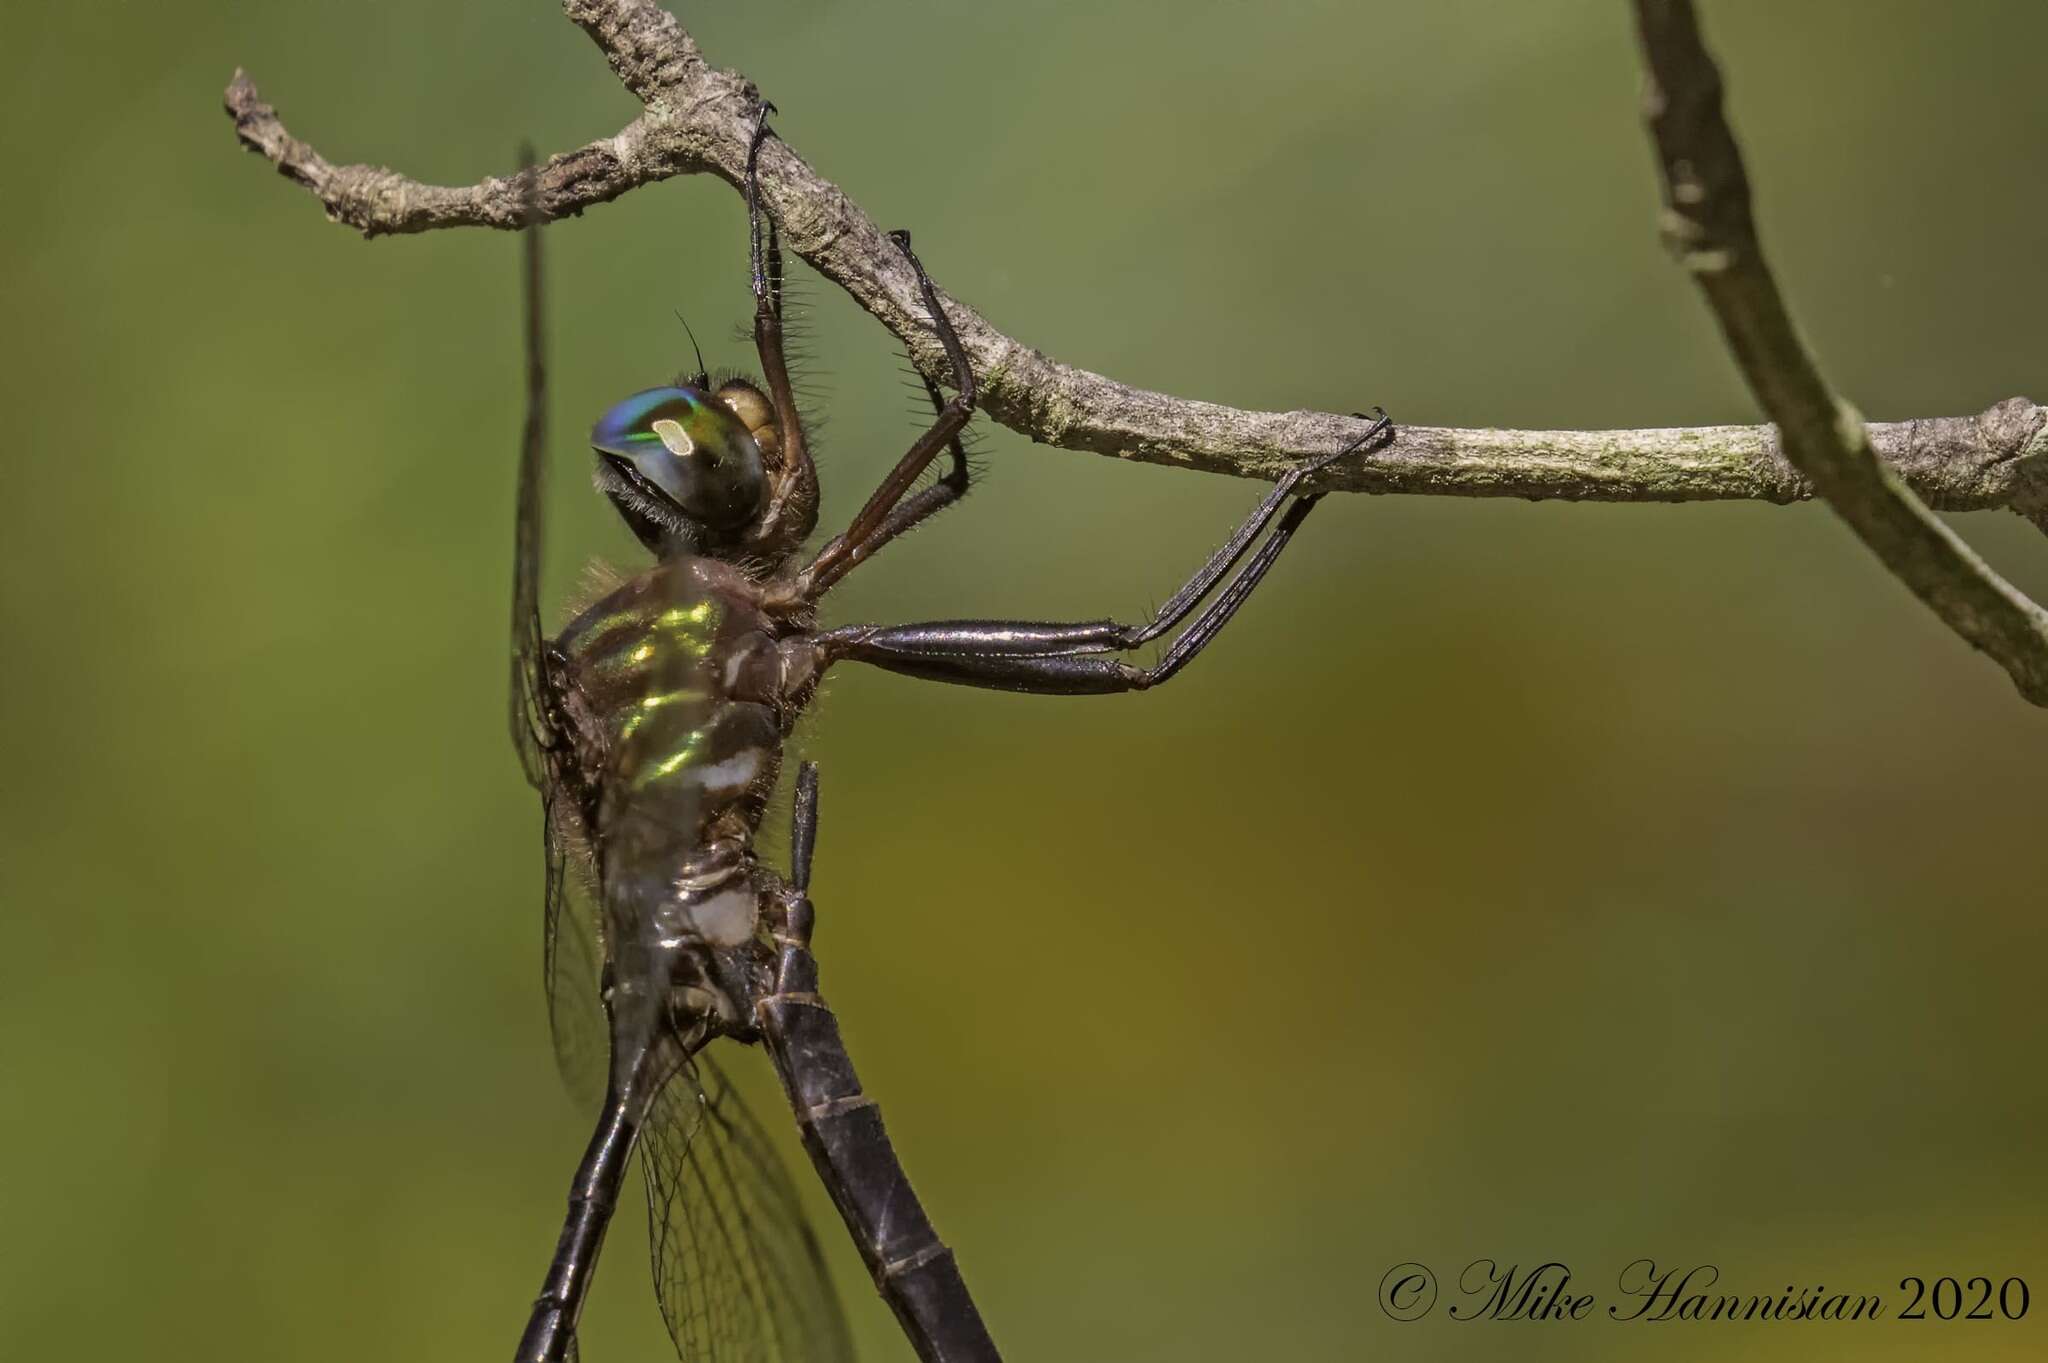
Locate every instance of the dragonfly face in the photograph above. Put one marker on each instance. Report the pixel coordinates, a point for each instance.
(686, 465)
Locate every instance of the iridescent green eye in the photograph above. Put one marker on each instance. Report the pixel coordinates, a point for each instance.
(692, 452)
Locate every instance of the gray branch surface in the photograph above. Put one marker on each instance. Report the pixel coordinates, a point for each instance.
(698, 118)
(1708, 224)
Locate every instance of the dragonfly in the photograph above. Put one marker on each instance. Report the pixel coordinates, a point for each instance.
(653, 726)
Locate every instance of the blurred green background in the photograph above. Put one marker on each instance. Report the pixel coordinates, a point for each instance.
(1515, 881)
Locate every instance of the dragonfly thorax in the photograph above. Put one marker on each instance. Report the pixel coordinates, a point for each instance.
(676, 686)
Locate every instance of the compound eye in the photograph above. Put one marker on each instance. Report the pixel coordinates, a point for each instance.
(691, 452)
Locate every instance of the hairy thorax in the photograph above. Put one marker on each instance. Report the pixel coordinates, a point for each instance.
(680, 699)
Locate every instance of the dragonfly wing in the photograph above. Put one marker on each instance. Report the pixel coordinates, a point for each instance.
(531, 728)
(573, 958)
(736, 1268)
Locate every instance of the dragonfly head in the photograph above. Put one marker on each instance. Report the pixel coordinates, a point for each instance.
(686, 464)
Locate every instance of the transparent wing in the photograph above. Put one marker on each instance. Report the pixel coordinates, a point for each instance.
(736, 1268)
(573, 957)
(531, 734)
(572, 928)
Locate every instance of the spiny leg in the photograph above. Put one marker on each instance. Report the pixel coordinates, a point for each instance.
(1044, 658)
(949, 418)
(1203, 582)
(912, 511)
(764, 261)
(1057, 659)
(859, 541)
(766, 273)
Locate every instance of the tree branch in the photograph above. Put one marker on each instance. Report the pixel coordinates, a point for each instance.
(1708, 224)
(697, 118)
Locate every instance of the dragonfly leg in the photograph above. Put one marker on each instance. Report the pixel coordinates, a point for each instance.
(764, 253)
(803, 830)
(1054, 658)
(843, 1133)
(907, 514)
(878, 522)
(797, 489)
(795, 968)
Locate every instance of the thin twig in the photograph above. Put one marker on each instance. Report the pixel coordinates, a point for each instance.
(697, 118)
(1708, 224)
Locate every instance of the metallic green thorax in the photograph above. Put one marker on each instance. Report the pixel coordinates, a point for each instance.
(673, 671)
(656, 653)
